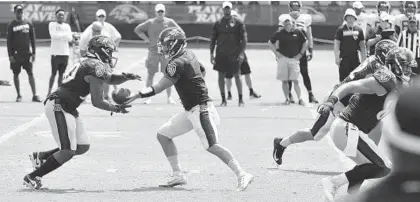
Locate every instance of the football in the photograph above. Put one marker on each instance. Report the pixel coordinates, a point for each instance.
(121, 95)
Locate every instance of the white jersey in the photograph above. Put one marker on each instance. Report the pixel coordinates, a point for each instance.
(373, 20)
(401, 21)
(302, 22)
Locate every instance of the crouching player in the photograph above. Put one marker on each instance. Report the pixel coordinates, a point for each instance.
(364, 112)
(323, 122)
(87, 76)
(185, 72)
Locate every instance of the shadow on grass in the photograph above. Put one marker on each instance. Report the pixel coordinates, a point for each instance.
(149, 189)
(309, 172)
(61, 191)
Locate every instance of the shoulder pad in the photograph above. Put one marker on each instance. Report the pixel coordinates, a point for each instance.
(386, 78)
(96, 68)
(174, 66)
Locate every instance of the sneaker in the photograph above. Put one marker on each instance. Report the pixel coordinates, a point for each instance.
(148, 101)
(254, 95)
(36, 161)
(292, 100)
(176, 180)
(278, 151)
(241, 103)
(287, 102)
(19, 98)
(223, 104)
(244, 181)
(33, 183)
(312, 99)
(171, 101)
(302, 103)
(36, 98)
(329, 189)
(229, 97)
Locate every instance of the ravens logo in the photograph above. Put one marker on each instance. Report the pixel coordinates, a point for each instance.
(128, 13)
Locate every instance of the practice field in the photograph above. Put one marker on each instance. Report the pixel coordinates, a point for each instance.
(126, 163)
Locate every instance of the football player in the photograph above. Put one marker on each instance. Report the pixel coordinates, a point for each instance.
(303, 21)
(323, 122)
(87, 77)
(401, 20)
(200, 115)
(363, 113)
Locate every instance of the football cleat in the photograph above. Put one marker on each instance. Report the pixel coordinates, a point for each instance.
(229, 97)
(292, 100)
(241, 103)
(36, 161)
(176, 180)
(278, 151)
(33, 183)
(223, 104)
(312, 99)
(171, 101)
(244, 181)
(254, 95)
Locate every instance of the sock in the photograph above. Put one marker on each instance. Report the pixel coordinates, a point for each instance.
(339, 180)
(240, 96)
(251, 91)
(309, 92)
(49, 165)
(176, 168)
(45, 154)
(285, 142)
(223, 96)
(229, 93)
(236, 168)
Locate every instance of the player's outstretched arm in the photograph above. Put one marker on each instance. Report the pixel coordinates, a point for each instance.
(163, 84)
(97, 96)
(117, 79)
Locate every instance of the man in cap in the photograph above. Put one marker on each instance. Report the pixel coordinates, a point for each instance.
(229, 38)
(149, 32)
(288, 45)
(349, 39)
(21, 33)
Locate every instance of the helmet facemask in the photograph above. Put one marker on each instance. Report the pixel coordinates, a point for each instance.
(410, 8)
(294, 8)
(170, 48)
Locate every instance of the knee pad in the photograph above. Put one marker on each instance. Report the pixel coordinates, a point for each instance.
(82, 148)
(63, 156)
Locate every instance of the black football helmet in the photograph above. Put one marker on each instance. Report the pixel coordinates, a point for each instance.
(401, 62)
(171, 42)
(102, 48)
(382, 48)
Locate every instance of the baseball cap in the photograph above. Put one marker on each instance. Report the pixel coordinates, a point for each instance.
(350, 12)
(358, 5)
(284, 18)
(160, 7)
(100, 12)
(17, 8)
(227, 4)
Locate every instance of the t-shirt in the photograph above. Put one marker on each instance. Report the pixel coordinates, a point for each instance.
(61, 35)
(350, 39)
(107, 30)
(153, 27)
(20, 35)
(290, 43)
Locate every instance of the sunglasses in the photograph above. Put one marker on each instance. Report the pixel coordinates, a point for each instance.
(161, 11)
(100, 16)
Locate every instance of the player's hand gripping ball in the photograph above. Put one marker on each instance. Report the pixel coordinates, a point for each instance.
(121, 95)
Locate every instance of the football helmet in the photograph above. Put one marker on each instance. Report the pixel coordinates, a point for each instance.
(383, 6)
(102, 48)
(382, 48)
(171, 42)
(294, 7)
(410, 7)
(401, 62)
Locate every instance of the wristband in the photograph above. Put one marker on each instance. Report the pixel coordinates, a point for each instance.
(147, 92)
(333, 99)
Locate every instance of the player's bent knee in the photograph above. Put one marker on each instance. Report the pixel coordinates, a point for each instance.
(82, 148)
(162, 138)
(214, 149)
(63, 156)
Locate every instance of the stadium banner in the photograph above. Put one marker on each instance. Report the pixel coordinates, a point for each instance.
(261, 20)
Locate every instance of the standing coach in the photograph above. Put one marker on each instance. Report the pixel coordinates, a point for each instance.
(229, 38)
(288, 45)
(349, 39)
(21, 33)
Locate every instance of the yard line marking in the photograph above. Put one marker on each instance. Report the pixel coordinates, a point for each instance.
(348, 164)
(111, 170)
(22, 128)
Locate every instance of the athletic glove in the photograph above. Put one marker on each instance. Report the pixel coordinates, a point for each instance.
(131, 76)
(328, 106)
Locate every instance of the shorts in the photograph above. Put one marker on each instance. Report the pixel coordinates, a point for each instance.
(22, 61)
(245, 68)
(202, 118)
(287, 69)
(152, 62)
(59, 63)
(68, 131)
(227, 64)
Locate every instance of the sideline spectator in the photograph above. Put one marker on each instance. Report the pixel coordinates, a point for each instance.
(410, 39)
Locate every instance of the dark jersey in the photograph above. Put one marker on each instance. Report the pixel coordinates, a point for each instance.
(20, 35)
(350, 39)
(229, 36)
(75, 88)
(363, 109)
(385, 34)
(185, 72)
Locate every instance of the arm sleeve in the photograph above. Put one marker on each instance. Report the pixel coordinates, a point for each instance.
(213, 38)
(339, 34)
(10, 39)
(32, 37)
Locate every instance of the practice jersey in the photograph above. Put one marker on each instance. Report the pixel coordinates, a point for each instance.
(363, 109)
(186, 73)
(303, 21)
(74, 89)
(401, 22)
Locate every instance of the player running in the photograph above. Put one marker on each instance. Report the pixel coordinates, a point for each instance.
(323, 122)
(364, 112)
(184, 71)
(303, 21)
(87, 76)
(401, 20)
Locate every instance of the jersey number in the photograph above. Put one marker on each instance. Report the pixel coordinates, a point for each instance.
(71, 74)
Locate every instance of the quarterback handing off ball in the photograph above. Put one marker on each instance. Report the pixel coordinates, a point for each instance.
(121, 95)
